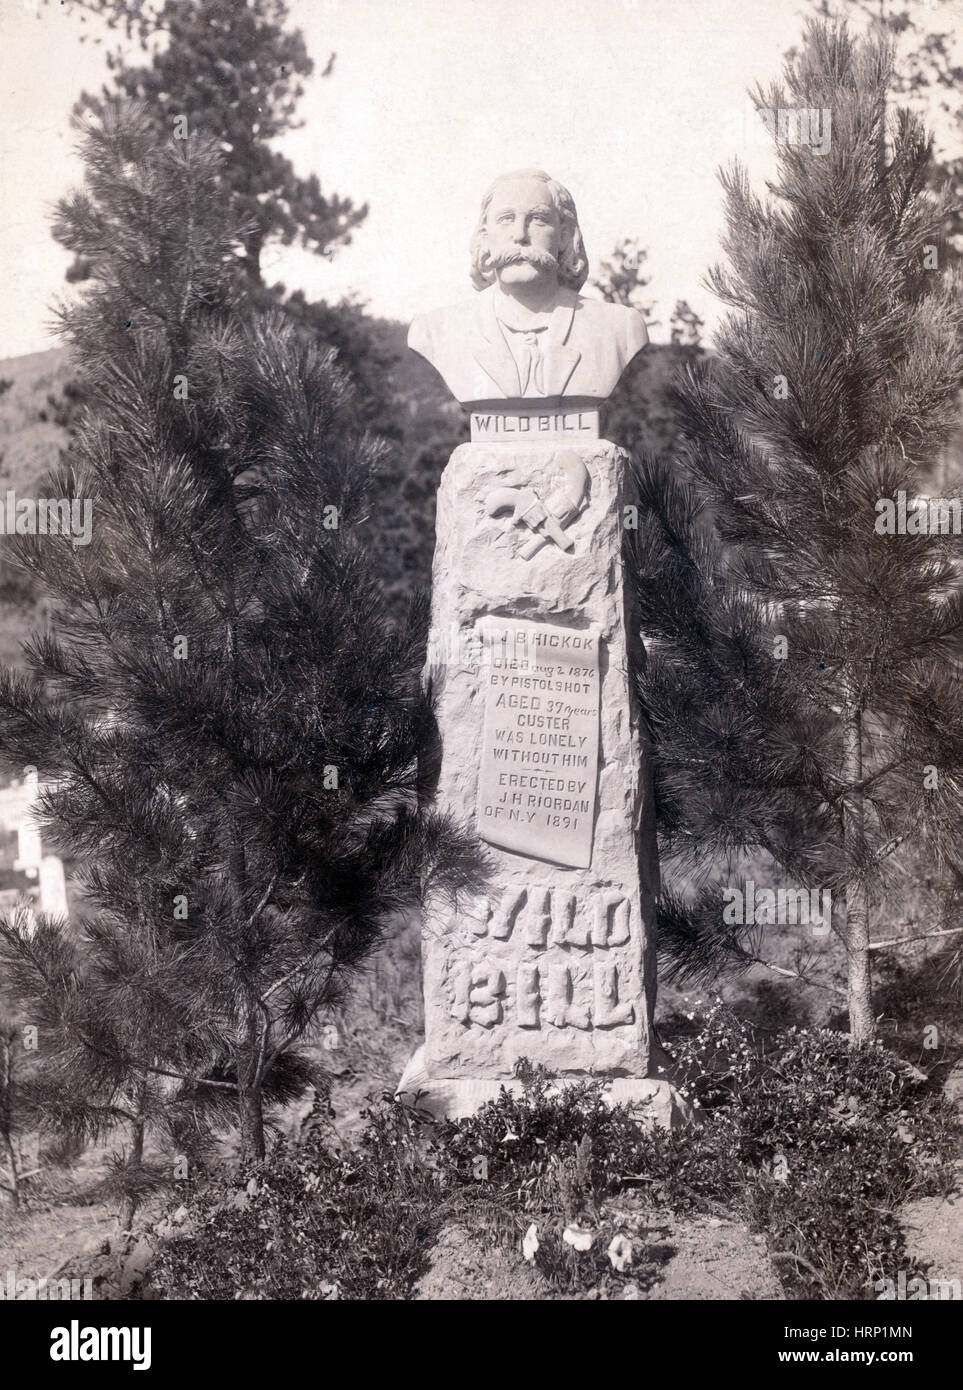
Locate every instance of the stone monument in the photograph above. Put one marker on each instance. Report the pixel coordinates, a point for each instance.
(532, 642)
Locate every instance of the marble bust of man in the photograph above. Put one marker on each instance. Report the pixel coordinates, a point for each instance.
(529, 335)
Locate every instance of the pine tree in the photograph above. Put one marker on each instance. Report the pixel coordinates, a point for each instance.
(685, 325)
(801, 684)
(228, 728)
(108, 1039)
(232, 72)
(926, 72)
(622, 280)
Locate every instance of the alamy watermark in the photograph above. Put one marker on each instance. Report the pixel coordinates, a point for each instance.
(47, 516)
(808, 127)
(13, 1288)
(918, 516)
(783, 907)
(901, 1289)
(76, 1343)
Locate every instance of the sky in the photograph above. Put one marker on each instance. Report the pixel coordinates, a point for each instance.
(632, 104)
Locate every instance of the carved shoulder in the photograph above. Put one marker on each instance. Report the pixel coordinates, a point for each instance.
(614, 322)
(421, 334)
(636, 334)
(437, 334)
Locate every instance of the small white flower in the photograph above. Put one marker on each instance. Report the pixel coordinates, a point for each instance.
(578, 1237)
(508, 1137)
(620, 1253)
(530, 1242)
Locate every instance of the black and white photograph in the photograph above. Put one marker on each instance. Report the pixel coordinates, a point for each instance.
(481, 625)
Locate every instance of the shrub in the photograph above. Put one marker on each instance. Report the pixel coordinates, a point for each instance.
(815, 1141)
(548, 1157)
(308, 1222)
(808, 1138)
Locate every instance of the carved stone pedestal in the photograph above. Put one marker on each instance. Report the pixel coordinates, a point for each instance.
(544, 755)
(652, 1101)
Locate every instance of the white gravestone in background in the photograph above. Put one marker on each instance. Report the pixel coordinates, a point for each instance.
(532, 646)
(53, 886)
(29, 847)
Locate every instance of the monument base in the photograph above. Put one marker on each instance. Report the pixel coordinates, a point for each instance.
(653, 1103)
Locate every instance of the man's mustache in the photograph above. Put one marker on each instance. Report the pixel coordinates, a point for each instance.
(524, 255)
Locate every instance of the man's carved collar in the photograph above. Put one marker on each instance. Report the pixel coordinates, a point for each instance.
(491, 352)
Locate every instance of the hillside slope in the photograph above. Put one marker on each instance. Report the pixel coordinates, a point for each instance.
(31, 396)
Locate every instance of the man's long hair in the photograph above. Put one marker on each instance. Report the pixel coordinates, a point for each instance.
(572, 260)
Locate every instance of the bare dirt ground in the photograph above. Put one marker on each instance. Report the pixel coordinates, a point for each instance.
(934, 1236)
(696, 1259)
(38, 1243)
(61, 1220)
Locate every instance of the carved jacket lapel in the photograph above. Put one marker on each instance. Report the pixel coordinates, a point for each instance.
(493, 354)
(490, 350)
(560, 360)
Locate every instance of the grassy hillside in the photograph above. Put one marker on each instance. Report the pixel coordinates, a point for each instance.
(30, 436)
(31, 395)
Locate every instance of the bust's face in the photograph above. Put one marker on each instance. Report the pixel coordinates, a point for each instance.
(523, 233)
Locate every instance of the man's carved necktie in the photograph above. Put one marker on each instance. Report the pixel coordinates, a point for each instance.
(527, 351)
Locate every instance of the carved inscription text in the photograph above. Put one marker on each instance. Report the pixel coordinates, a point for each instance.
(539, 768)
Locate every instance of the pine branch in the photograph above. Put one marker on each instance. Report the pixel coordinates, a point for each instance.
(899, 941)
(796, 975)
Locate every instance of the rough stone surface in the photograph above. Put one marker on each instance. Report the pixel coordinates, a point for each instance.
(953, 1088)
(554, 961)
(136, 1265)
(653, 1103)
